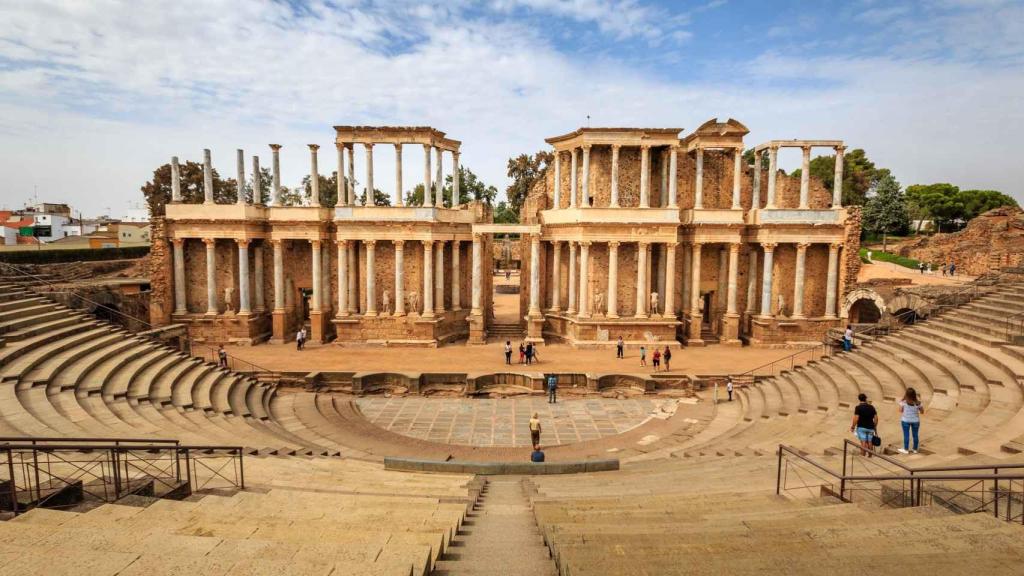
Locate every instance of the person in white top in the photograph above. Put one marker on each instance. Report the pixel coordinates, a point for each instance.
(910, 419)
(535, 430)
(728, 388)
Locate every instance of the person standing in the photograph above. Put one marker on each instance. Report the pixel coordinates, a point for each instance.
(222, 356)
(848, 338)
(620, 348)
(552, 389)
(508, 352)
(668, 358)
(921, 266)
(910, 419)
(944, 267)
(537, 455)
(952, 269)
(728, 388)
(656, 357)
(300, 338)
(643, 356)
(535, 430)
(529, 353)
(864, 424)
(522, 353)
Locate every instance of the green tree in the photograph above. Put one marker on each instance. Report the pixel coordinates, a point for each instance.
(860, 175)
(524, 170)
(886, 210)
(328, 188)
(290, 197)
(266, 183)
(937, 202)
(748, 159)
(157, 191)
(470, 188)
(414, 197)
(504, 214)
(977, 202)
(379, 198)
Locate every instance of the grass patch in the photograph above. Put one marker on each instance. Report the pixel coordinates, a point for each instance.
(880, 256)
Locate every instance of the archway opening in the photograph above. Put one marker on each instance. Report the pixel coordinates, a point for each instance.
(865, 311)
(507, 286)
(906, 316)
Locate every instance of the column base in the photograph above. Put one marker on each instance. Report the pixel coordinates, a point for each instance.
(278, 327)
(477, 332)
(535, 330)
(731, 329)
(316, 327)
(694, 329)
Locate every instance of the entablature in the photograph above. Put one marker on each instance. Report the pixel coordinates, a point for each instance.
(177, 211)
(604, 233)
(602, 216)
(616, 136)
(395, 135)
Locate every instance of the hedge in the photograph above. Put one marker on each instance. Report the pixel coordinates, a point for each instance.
(51, 256)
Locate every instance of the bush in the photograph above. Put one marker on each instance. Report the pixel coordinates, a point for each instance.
(887, 257)
(51, 256)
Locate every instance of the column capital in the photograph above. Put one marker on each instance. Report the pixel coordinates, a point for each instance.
(427, 243)
(399, 244)
(209, 241)
(398, 147)
(572, 243)
(275, 147)
(803, 245)
(614, 244)
(672, 245)
(840, 149)
(478, 236)
(276, 242)
(835, 245)
(350, 145)
(773, 147)
(339, 145)
(696, 244)
(313, 147)
(455, 153)
(616, 147)
(586, 147)
(735, 247)
(586, 243)
(343, 243)
(370, 242)
(368, 145)
(535, 237)
(644, 243)
(769, 246)
(243, 242)
(806, 148)
(178, 241)
(645, 147)
(315, 243)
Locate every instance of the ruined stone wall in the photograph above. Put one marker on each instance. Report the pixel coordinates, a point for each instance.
(993, 240)
(160, 272)
(849, 265)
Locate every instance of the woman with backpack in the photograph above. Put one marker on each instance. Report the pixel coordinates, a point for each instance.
(910, 419)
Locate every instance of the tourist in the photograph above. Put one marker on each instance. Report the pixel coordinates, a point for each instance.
(848, 338)
(508, 275)
(865, 422)
(529, 353)
(869, 255)
(537, 455)
(910, 419)
(222, 354)
(522, 353)
(643, 356)
(300, 338)
(728, 388)
(508, 352)
(952, 269)
(552, 389)
(921, 266)
(944, 268)
(620, 348)
(535, 429)
(668, 357)
(656, 357)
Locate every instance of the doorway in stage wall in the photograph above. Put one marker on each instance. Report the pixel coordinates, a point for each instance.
(305, 295)
(508, 312)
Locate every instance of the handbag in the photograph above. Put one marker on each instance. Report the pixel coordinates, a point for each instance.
(876, 440)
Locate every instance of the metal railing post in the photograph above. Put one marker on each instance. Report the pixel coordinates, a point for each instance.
(35, 466)
(241, 467)
(778, 474)
(14, 486)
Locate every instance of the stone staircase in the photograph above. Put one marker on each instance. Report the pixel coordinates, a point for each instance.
(505, 331)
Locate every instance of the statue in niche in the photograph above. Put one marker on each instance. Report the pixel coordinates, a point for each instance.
(700, 303)
(414, 302)
(654, 302)
(780, 306)
(599, 303)
(385, 302)
(229, 293)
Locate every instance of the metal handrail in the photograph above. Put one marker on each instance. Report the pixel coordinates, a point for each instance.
(116, 441)
(825, 351)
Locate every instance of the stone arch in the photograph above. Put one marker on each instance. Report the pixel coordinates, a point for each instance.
(862, 294)
(904, 303)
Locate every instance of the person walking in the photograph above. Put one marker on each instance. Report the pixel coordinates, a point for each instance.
(535, 430)
(728, 388)
(552, 389)
(952, 269)
(944, 268)
(921, 265)
(620, 348)
(643, 356)
(508, 352)
(864, 424)
(656, 357)
(222, 356)
(529, 353)
(910, 419)
(668, 358)
(848, 338)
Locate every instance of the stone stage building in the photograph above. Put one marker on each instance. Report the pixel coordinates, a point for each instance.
(633, 232)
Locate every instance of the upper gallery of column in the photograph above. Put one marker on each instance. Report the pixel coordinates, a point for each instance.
(615, 168)
(779, 191)
(713, 159)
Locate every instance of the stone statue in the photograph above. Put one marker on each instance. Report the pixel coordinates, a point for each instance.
(414, 302)
(780, 305)
(700, 303)
(654, 302)
(229, 292)
(599, 302)
(385, 302)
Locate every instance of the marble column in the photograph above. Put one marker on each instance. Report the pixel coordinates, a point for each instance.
(798, 281)
(684, 302)
(314, 177)
(398, 174)
(766, 279)
(648, 273)
(353, 272)
(558, 179)
(723, 277)
(351, 185)
(673, 163)
(586, 176)
(368, 201)
(645, 176)
(370, 281)
(641, 280)
(669, 300)
(240, 178)
(832, 282)
(572, 178)
(584, 299)
(556, 276)
(342, 278)
(773, 168)
(477, 309)
(243, 277)
(399, 277)
(534, 310)
(456, 277)
(180, 304)
(318, 282)
(275, 165)
(325, 264)
(207, 177)
(257, 182)
(695, 279)
(837, 186)
(278, 275)
(613, 280)
(805, 179)
(212, 306)
(615, 175)
(734, 270)
(439, 180)
(737, 174)
(439, 277)
(456, 180)
(340, 184)
(698, 183)
(660, 278)
(573, 294)
(175, 180)
(428, 277)
(752, 280)
(663, 191)
(428, 190)
(755, 197)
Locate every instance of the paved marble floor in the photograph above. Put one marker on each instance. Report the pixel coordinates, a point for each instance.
(503, 422)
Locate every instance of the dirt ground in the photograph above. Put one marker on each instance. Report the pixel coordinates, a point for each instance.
(890, 270)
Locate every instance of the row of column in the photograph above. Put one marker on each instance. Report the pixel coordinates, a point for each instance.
(805, 178)
(579, 187)
(433, 186)
(737, 174)
(212, 299)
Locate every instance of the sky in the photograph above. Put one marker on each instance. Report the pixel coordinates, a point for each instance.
(95, 95)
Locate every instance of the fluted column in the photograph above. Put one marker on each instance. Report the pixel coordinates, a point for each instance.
(734, 271)
(275, 164)
(325, 267)
(572, 178)
(805, 179)
(180, 304)
(353, 288)
(613, 280)
(755, 196)
(439, 180)
(584, 299)
(663, 190)
(648, 274)
(370, 281)
(556, 276)
(340, 184)
(645, 176)
(684, 303)
(240, 178)
(456, 277)
(766, 279)
(243, 277)
(573, 294)
(351, 185)
(314, 176)
(428, 278)
(586, 176)
(773, 168)
(832, 283)
(737, 174)
(456, 180)
(615, 175)
(399, 277)
(477, 308)
(673, 163)
(278, 275)
(428, 190)
(837, 185)
(318, 282)
(798, 281)
(439, 277)
(175, 180)
(342, 278)
(211, 276)
(670, 280)
(660, 277)
(752, 279)
(398, 174)
(698, 183)
(534, 310)
(369, 200)
(558, 179)
(641, 280)
(207, 177)
(723, 278)
(695, 279)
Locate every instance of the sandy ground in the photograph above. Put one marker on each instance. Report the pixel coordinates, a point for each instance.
(506, 306)
(890, 270)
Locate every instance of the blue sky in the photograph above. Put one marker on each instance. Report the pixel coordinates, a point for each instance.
(94, 95)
